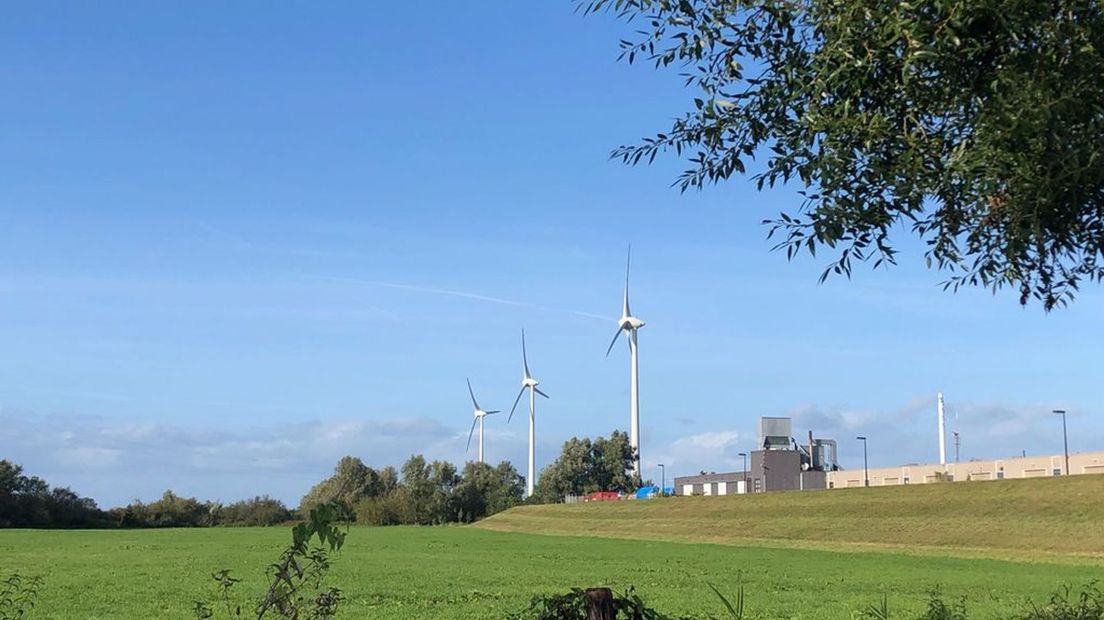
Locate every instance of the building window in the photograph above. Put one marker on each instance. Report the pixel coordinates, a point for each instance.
(1000, 475)
(906, 479)
(1057, 471)
(831, 485)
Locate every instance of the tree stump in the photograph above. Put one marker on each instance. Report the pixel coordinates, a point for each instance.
(600, 604)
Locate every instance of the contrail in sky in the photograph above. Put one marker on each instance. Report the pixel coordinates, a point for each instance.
(463, 295)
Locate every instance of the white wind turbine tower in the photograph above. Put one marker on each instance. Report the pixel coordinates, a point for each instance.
(631, 324)
(528, 383)
(479, 415)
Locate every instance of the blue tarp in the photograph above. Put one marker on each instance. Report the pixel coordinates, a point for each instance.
(646, 492)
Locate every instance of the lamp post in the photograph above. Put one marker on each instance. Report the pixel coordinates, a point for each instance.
(866, 467)
(662, 478)
(1065, 437)
(743, 455)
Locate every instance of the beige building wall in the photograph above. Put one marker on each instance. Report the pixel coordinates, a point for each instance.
(999, 469)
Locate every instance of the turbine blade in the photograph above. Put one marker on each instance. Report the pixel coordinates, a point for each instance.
(472, 394)
(524, 356)
(474, 421)
(614, 341)
(516, 401)
(492, 412)
(537, 390)
(628, 261)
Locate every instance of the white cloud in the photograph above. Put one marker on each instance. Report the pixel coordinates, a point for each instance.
(114, 460)
(708, 451)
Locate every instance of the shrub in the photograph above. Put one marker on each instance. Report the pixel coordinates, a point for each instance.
(1088, 605)
(261, 510)
(295, 587)
(17, 596)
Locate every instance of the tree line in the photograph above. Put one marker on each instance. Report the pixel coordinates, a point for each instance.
(420, 492)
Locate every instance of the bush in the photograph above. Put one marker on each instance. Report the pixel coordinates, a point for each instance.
(262, 510)
(171, 510)
(394, 508)
(295, 588)
(17, 596)
(1088, 605)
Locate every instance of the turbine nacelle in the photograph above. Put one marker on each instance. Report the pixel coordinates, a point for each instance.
(478, 414)
(628, 323)
(528, 382)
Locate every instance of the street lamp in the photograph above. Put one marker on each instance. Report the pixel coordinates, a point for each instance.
(1065, 437)
(743, 455)
(866, 467)
(663, 478)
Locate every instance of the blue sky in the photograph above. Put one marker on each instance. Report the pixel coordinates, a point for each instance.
(241, 242)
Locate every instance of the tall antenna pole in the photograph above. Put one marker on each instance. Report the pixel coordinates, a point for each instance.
(942, 434)
(634, 389)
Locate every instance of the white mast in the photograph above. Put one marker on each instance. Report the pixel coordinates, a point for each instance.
(942, 433)
(528, 382)
(631, 324)
(481, 438)
(634, 388)
(530, 480)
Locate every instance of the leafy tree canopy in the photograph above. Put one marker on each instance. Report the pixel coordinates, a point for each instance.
(585, 466)
(976, 124)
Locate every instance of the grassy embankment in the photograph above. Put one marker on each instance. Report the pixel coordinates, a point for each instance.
(1017, 519)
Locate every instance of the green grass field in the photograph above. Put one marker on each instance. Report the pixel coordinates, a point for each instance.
(454, 572)
(475, 572)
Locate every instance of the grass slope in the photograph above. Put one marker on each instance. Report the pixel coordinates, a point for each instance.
(1011, 518)
(464, 572)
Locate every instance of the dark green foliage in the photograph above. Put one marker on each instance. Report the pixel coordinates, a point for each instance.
(28, 501)
(351, 482)
(1088, 605)
(940, 610)
(573, 606)
(17, 596)
(586, 466)
(434, 493)
(429, 489)
(171, 510)
(295, 587)
(976, 125)
(262, 510)
(484, 490)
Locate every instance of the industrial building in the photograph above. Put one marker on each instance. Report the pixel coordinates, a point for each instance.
(782, 464)
(997, 469)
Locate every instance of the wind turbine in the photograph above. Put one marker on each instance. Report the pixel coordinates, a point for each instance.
(528, 383)
(479, 415)
(631, 324)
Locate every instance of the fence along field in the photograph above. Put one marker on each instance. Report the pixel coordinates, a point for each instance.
(472, 572)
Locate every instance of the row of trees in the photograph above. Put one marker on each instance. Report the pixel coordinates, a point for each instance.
(423, 493)
(172, 510)
(418, 493)
(28, 501)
